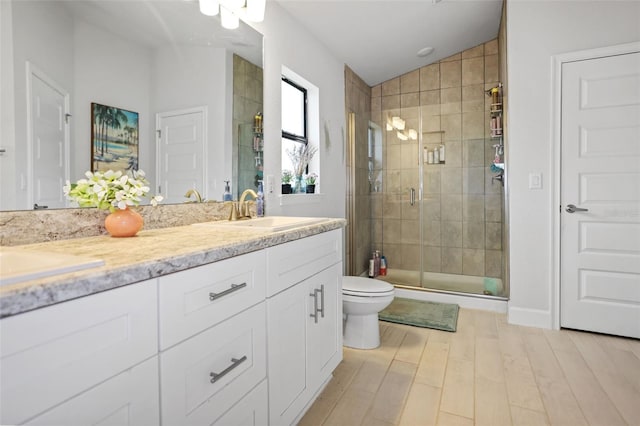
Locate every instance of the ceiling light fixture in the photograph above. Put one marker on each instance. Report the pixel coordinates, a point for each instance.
(398, 123)
(228, 19)
(425, 51)
(255, 10)
(232, 10)
(209, 7)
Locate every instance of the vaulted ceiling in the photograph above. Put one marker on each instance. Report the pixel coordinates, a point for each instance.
(379, 39)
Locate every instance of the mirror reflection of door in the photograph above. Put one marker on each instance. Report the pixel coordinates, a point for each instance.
(181, 152)
(47, 140)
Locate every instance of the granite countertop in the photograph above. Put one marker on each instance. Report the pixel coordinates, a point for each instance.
(150, 254)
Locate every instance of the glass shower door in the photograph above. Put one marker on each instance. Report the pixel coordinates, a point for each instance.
(401, 210)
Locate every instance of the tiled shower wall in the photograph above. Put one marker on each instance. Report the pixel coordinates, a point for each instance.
(463, 207)
(358, 101)
(247, 102)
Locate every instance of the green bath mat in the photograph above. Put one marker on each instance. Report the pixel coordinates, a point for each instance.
(441, 316)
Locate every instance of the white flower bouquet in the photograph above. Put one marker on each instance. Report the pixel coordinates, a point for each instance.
(110, 190)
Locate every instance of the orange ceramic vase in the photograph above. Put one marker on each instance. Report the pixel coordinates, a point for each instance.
(123, 223)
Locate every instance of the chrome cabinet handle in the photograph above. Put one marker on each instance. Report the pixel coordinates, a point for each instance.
(412, 196)
(314, 315)
(234, 287)
(572, 209)
(321, 310)
(234, 363)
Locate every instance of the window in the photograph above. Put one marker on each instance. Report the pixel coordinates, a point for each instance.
(294, 120)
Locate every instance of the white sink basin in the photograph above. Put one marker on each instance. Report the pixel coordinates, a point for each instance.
(269, 223)
(23, 265)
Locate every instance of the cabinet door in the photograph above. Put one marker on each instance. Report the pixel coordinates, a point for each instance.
(286, 322)
(52, 354)
(130, 398)
(324, 333)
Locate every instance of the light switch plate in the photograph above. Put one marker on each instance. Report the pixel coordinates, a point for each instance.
(535, 180)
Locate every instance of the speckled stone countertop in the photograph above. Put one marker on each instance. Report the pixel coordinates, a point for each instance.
(150, 254)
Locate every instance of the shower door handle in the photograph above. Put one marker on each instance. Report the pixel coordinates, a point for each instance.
(412, 196)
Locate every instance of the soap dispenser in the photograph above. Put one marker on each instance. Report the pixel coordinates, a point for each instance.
(227, 192)
(260, 200)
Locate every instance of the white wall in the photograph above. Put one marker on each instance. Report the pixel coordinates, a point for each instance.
(111, 71)
(7, 116)
(200, 76)
(537, 30)
(288, 44)
(42, 35)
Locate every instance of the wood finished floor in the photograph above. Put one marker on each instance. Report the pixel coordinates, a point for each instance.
(487, 373)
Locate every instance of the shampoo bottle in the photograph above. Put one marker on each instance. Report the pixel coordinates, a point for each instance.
(226, 196)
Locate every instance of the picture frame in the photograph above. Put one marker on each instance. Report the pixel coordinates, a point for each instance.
(114, 138)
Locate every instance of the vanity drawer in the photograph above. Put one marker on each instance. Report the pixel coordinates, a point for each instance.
(52, 354)
(252, 410)
(297, 260)
(128, 399)
(234, 350)
(193, 300)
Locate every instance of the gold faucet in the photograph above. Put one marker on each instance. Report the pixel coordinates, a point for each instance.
(240, 209)
(244, 207)
(194, 192)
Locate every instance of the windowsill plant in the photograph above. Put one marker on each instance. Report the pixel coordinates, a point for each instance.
(286, 181)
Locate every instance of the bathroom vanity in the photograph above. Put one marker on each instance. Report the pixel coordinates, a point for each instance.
(185, 325)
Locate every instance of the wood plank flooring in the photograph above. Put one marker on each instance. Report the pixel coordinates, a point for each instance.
(487, 373)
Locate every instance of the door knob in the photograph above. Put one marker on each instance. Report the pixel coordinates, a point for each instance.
(572, 209)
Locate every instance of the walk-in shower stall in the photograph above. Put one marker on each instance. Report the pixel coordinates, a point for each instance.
(426, 168)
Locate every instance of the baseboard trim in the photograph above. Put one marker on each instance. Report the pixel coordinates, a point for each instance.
(529, 317)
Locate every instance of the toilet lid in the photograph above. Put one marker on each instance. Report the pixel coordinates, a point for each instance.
(361, 286)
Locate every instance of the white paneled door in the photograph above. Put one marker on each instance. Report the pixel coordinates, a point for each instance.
(48, 140)
(600, 195)
(181, 153)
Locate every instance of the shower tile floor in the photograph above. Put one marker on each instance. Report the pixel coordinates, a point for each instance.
(487, 373)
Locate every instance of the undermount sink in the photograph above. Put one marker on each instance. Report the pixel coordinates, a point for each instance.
(23, 265)
(269, 223)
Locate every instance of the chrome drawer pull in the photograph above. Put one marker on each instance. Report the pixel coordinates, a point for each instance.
(314, 315)
(234, 363)
(234, 287)
(321, 310)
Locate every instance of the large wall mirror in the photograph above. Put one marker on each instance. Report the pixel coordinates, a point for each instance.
(195, 89)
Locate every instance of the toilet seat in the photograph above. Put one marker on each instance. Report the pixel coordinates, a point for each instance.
(366, 287)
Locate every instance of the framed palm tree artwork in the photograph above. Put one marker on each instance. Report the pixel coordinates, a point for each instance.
(114, 139)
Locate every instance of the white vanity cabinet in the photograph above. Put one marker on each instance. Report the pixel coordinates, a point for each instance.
(77, 352)
(213, 341)
(249, 340)
(304, 322)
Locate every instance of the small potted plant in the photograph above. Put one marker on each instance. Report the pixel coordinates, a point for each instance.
(300, 157)
(286, 181)
(310, 179)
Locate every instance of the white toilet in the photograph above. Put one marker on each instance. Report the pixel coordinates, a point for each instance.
(362, 299)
